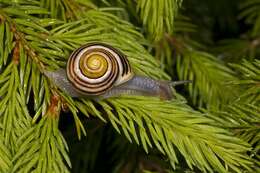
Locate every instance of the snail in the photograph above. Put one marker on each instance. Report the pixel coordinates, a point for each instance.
(101, 71)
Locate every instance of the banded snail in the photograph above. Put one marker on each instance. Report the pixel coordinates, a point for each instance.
(101, 71)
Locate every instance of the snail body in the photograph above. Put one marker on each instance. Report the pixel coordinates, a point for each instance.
(101, 71)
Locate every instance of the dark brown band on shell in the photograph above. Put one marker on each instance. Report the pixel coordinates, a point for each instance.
(119, 69)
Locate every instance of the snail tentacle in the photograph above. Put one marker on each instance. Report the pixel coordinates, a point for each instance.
(175, 83)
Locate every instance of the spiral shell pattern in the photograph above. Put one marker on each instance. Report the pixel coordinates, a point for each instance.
(95, 68)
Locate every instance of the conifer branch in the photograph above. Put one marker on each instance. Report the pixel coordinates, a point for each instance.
(243, 116)
(17, 74)
(250, 11)
(242, 47)
(243, 120)
(5, 156)
(42, 147)
(209, 75)
(249, 80)
(12, 103)
(161, 125)
(158, 16)
(184, 25)
(248, 43)
(67, 10)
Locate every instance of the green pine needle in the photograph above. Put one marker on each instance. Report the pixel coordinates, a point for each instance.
(250, 11)
(249, 80)
(158, 16)
(15, 116)
(5, 156)
(154, 123)
(210, 77)
(42, 149)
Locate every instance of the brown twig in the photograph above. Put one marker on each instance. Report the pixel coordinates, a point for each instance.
(16, 52)
(19, 37)
(55, 106)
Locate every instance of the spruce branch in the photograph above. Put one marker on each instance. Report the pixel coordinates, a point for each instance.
(250, 11)
(249, 80)
(31, 64)
(5, 156)
(13, 103)
(150, 122)
(132, 158)
(248, 43)
(235, 49)
(243, 116)
(42, 147)
(67, 10)
(243, 120)
(183, 24)
(209, 75)
(158, 16)
(167, 47)
(20, 70)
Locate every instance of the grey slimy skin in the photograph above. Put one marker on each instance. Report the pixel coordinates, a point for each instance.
(59, 78)
(138, 85)
(146, 86)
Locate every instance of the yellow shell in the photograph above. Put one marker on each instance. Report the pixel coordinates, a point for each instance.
(93, 65)
(95, 68)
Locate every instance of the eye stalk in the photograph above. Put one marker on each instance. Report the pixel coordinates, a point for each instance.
(98, 70)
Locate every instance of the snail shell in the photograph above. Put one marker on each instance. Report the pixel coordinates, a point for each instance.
(101, 71)
(94, 69)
